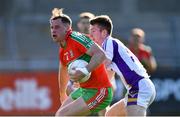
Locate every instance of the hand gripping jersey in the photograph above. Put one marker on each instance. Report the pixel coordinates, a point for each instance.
(124, 62)
(76, 47)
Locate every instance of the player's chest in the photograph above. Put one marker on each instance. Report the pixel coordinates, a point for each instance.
(69, 55)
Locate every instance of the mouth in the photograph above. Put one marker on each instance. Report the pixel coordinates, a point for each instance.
(94, 38)
(54, 36)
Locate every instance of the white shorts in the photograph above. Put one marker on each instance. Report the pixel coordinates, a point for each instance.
(144, 96)
(113, 82)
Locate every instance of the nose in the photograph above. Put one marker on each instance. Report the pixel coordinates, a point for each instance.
(91, 35)
(53, 32)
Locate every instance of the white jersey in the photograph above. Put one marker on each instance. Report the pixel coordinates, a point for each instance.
(124, 62)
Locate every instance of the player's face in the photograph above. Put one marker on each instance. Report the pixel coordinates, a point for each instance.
(84, 25)
(96, 33)
(58, 30)
(135, 39)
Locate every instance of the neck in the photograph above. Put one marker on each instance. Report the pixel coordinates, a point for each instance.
(102, 40)
(62, 44)
(106, 37)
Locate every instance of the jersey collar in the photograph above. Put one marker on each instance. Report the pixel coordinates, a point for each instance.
(105, 40)
(68, 33)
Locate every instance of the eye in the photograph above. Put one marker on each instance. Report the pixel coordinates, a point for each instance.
(92, 30)
(57, 27)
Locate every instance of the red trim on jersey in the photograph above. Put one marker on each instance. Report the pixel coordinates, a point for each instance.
(68, 33)
(98, 98)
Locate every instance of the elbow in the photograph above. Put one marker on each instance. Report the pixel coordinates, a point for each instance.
(154, 67)
(103, 55)
(100, 56)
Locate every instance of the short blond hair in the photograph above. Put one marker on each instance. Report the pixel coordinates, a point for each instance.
(138, 31)
(87, 15)
(58, 14)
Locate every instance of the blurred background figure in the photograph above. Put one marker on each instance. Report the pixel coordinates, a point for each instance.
(83, 23)
(142, 51)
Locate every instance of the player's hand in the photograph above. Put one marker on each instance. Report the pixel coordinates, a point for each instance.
(78, 74)
(76, 85)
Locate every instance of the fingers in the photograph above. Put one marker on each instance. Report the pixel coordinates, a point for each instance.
(76, 75)
(72, 72)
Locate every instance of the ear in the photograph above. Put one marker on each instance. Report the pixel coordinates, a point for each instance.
(78, 24)
(67, 26)
(104, 33)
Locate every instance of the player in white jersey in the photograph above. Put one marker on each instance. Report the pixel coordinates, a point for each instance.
(140, 89)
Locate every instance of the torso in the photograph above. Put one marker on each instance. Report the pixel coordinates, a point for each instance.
(124, 62)
(77, 45)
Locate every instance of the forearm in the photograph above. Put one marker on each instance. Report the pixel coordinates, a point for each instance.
(63, 80)
(150, 64)
(96, 60)
(63, 94)
(62, 84)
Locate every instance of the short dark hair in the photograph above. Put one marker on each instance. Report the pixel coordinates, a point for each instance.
(104, 21)
(58, 14)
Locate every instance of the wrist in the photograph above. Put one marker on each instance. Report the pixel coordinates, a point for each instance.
(83, 70)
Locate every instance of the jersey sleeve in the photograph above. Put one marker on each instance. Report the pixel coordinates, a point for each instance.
(83, 42)
(108, 48)
(148, 52)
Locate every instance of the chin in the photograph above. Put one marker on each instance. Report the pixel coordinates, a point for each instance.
(55, 40)
(61, 45)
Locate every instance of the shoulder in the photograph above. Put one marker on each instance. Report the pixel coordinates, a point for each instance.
(112, 43)
(79, 37)
(60, 50)
(116, 42)
(111, 40)
(107, 44)
(146, 48)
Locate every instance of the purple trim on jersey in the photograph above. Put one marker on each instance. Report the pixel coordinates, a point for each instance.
(131, 103)
(131, 95)
(104, 45)
(131, 77)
